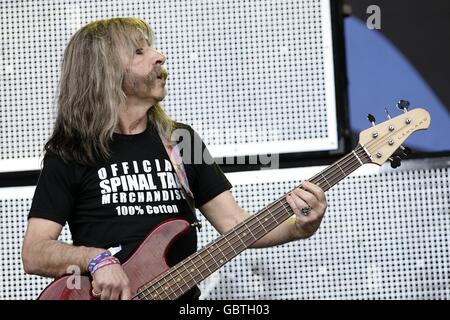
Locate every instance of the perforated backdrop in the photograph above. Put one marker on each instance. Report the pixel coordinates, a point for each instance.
(250, 76)
(385, 236)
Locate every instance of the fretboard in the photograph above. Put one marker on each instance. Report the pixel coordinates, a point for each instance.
(179, 279)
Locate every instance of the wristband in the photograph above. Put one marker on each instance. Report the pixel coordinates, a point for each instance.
(97, 259)
(105, 262)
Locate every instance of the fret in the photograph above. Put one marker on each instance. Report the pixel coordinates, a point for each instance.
(354, 153)
(223, 254)
(151, 286)
(203, 261)
(261, 224)
(236, 233)
(271, 215)
(148, 292)
(211, 255)
(180, 275)
(232, 248)
(329, 186)
(188, 272)
(167, 286)
(337, 164)
(160, 291)
(367, 153)
(332, 174)
(274, 219)
(250, 231)
(156, 294)
(287, 210)
(175, 283)
(196, 268)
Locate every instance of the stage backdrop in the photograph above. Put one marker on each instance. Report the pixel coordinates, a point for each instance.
(385, 236)
(250, 76)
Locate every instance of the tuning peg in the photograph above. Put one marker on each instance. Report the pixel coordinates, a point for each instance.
(371, 119)
(395, 162)
(387, 113)
(403, 105)
(406, 150)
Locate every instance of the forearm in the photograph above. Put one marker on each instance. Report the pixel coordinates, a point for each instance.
(52, 258)
(224, 213)
(285, 232)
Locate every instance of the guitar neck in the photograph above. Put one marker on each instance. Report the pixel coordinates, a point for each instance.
(191, 271)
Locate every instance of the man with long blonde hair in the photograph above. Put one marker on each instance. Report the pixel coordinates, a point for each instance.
(108, 170)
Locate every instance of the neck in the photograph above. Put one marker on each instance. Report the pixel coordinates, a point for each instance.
(133, 117)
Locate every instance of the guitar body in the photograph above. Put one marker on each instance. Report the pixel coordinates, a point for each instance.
(146, 263)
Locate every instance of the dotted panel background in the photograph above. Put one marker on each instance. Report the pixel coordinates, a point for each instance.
(14, 283)
(231, 64)
(385, 236)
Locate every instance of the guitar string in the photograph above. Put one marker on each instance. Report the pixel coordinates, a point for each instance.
(275, 215)
(187, 261)
(190, 283)
(343, 163)
(206, 248)
(369, 146)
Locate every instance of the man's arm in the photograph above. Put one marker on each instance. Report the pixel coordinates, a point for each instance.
(44, 255)
(224, 213)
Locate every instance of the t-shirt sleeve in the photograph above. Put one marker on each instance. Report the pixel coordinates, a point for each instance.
(209, 180)
(54, 195)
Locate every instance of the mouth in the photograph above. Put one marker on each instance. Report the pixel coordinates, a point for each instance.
(162, 75)
(161, 78)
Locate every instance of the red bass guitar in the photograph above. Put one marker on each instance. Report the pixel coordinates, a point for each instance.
(149, 274)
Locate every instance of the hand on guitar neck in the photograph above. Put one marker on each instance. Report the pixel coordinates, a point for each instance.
(309, 205)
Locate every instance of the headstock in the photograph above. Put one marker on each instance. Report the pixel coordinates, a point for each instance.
(382, 140)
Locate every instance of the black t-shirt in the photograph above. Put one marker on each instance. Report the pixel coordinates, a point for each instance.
(119, 201)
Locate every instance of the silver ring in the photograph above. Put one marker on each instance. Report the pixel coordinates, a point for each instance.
(306, 210)
(95, 294)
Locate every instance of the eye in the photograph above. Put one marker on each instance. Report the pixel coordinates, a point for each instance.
(139, 51)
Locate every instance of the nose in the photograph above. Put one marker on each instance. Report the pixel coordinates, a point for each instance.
(160, 58)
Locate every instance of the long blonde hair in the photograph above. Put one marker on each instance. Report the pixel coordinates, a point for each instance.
(90, 90)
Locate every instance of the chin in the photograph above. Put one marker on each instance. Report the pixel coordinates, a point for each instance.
(161, 96)
(157, 94)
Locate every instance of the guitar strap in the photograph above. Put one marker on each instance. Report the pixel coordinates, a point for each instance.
(173, 151)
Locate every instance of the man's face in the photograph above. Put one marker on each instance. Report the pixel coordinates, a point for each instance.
(145, 78)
